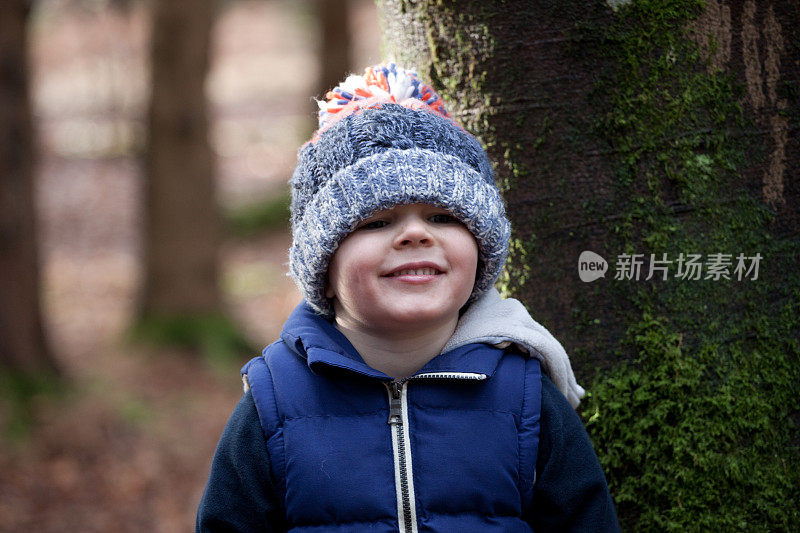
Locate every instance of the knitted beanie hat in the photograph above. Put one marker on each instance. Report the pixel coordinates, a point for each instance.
(384, 140)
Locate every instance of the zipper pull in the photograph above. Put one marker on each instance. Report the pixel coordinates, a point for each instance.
(395, 406)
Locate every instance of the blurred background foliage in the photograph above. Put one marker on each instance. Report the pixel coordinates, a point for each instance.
(108, 432)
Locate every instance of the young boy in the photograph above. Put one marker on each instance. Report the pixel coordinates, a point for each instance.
(404, 394)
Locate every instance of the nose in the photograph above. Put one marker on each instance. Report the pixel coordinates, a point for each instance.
(413, 231)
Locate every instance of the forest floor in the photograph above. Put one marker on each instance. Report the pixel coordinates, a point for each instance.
(128, 445)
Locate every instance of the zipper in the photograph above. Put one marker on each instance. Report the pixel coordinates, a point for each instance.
(403, 474)
(401, 444)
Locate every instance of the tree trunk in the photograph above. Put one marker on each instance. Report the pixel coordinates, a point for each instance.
(22, 342)
(182, 221)
(334, 52)
(663, 129)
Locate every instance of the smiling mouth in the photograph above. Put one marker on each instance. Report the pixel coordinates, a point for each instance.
(427, 271)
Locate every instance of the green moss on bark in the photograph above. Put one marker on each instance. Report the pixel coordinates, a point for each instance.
(698, 431)
(697, 425)
(691, 440)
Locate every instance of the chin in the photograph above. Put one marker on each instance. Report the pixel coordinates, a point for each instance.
(420, 315)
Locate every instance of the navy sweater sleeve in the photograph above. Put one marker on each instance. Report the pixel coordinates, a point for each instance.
(239, 495)
(571, 493)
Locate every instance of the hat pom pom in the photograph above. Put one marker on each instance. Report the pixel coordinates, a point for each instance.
(379, 84)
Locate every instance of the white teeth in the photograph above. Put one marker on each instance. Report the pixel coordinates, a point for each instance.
(427, 271)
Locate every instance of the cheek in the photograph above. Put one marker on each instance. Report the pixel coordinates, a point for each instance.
(330, 292)
(473, 260)
(348, 269)
(466, 253)
(470, 254)
(333, 277)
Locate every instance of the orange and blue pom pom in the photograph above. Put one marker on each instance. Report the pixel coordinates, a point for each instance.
(379, 84)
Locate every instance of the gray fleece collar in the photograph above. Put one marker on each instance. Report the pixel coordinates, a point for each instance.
(493, 320)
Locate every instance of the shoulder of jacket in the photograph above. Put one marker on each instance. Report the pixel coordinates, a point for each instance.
(258, 379)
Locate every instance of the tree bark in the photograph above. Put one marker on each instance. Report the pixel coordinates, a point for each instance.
(654, 128)
(334, 46)
(508, 77)
(23, 347)
(182, 220)
(524, 76)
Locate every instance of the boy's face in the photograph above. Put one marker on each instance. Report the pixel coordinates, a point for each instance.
(412, 266)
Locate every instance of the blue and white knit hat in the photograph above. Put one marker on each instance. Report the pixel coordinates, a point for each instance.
(385, 140)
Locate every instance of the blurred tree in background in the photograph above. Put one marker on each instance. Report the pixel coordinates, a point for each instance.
(126, 445)
(662, 128)
(23, 348)
(181, 300)
(182, 226)
(334, 54)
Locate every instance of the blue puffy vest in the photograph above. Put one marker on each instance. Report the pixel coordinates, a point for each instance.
(451, 448)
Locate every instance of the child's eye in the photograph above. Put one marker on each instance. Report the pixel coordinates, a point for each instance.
(443, 218)
(373, 224)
